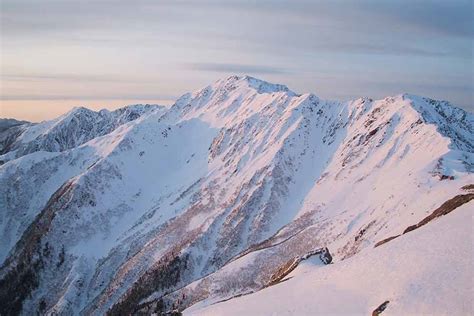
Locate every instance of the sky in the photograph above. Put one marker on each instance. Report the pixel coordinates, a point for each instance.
(57, 54)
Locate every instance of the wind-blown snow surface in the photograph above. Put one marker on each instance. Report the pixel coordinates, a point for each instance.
(425, 272)
(208, 200)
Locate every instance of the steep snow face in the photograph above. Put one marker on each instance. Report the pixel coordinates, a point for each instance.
(232, 100)
(372, 169)
(70, 130)
(412, 273)
(450, 121)
(211, 198)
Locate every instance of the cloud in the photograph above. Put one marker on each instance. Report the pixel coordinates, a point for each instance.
(452, 18)
(60, 77)
(364, 25)
(236, 68)
(153, 44)
(66, 97)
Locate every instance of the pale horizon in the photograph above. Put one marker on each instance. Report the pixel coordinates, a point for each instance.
(33, 110)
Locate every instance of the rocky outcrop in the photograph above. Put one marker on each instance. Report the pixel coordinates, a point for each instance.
(386, 240)
(468, 187)
(290, 265)
(444, 209)
(380, 308)
(325, 256)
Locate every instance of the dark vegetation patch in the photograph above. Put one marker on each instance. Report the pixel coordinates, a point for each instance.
(27, 260)
(162, 278)
(17, 285)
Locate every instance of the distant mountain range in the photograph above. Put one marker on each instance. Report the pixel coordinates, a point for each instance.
(236, 188)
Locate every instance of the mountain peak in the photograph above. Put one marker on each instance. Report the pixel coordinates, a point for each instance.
(261, 86)
(78, 110)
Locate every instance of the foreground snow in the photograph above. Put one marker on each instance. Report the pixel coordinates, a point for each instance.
(426, 272)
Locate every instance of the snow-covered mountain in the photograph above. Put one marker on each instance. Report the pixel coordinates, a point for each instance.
(6, 123)
(67, 131)
(229, 191)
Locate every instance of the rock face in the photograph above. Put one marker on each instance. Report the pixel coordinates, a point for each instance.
(284, 270)
(445, 208)
(380, 308)
(147, 209)
(325, 256)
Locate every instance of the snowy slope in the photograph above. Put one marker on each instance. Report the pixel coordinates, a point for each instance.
(10, 130)
(8, 123)
(216, 196)
(426, 272)
(28, 182)
(67, 131)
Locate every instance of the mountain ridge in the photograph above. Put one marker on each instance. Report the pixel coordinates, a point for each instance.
(208, 199)
(69, 130)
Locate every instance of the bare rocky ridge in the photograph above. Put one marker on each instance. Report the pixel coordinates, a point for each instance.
(444, 209)
(158, 209)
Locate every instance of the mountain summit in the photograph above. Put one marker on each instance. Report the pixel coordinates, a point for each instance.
(152, 210)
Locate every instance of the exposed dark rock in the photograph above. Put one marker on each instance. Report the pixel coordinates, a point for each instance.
(372, 132)
(361, 233)
(380, 309)
(447, 207)
(468, 187)
(385, 240)
(284, 270)
(445, 177)
(290, 265)
(444, 209)
(325, 256)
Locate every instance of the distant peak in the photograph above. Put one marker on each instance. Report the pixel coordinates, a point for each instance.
(78, 110)
(424, 103)
(261, 86)
(139, 107)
